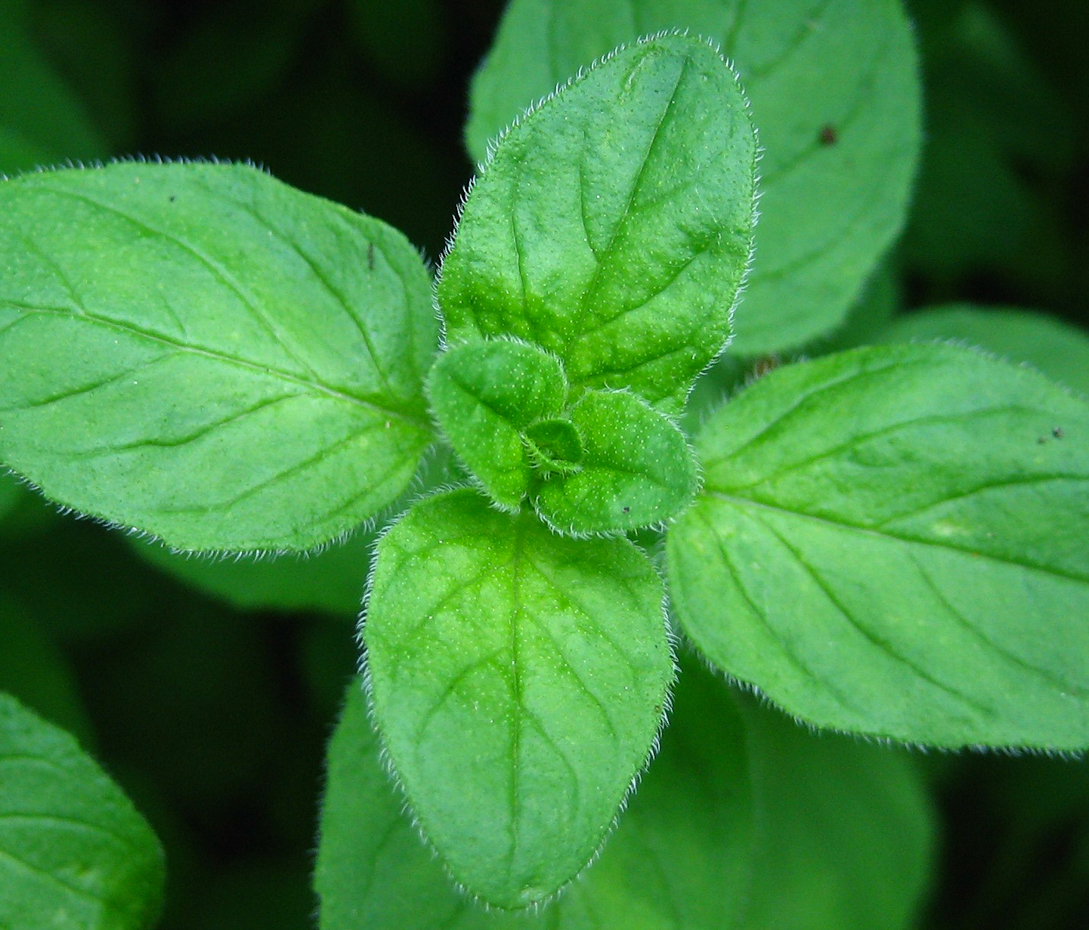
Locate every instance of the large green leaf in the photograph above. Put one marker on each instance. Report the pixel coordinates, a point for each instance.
(1059, 350)
(844, 830)
(205, 354)
(679, 859)
(613, 224)
(518, 679)
(74, 853)
(892, 541)
(835, 97)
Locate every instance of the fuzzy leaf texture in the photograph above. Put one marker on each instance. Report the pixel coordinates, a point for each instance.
(679, 860)
(74, 853)
(518, 679)
(486, 396)
(891, 541)
(636, 469)
(836, 98)
(613, 224)
(203, 353)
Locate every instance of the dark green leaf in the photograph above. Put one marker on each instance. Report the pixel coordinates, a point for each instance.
(892, 541)
(208, 355)
(518, 679)
(74, 853)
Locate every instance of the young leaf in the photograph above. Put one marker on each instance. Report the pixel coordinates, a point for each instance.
(636, 469)
(1059, 350)
(844, 831)
(73, 850)
(485, 396)
(679, 860)
(613, 225)
(208, 355)
(892, 541)
(554, 446)
(518, 680)
(835, 96)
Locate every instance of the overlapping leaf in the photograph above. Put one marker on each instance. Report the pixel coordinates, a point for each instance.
(679, 859)
(835, 97)
(519, 679)
(892, 541)
(73, 850)
(612, 227)
(205, 354)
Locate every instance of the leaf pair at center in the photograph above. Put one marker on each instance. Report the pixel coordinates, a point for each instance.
(591, 462)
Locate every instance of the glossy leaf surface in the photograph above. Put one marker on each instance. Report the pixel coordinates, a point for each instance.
(613, 225)
(892, 541)
(835, 97)
(205, 354)
(518, 680)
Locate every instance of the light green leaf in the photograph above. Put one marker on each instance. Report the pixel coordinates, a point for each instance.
(613, 225)
(331, 580)
(208, 355)
(518, 681)
(74, 853)
(554, 446)
(485, 395)
(679, 859)
(834, 94)
(845, 832)
(636, 469)
(1057, 349)
(892, 541)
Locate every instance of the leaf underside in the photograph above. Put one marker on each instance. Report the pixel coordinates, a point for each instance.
(892, 541)
(207, 355)
(835, 96)
(518, 680)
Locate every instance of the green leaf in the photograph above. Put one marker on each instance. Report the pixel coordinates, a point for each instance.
(518, 680)
(679, 859)
(484, 396)
(892, 541)
(834, 93)
(1057, 349)
(636, 469)
(613, 224)
(73, 850)
(331, 580)
(845, 831)
(208, 355)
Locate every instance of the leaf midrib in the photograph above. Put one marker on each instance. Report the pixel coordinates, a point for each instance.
(221, 357)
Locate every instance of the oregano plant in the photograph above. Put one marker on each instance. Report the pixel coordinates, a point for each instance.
(885, 542)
